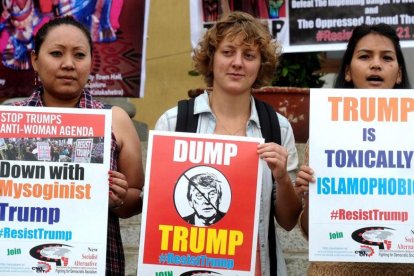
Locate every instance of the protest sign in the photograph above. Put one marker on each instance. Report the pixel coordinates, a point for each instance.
(118, 31)
(201, 205)
(311, 25)
(53, 215)
(361, 149)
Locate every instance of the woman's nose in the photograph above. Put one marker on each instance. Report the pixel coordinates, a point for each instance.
(375, 64)
(238, 60)
(68, 63)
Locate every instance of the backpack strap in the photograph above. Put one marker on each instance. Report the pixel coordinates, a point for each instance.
(269, 122)
(187, 121)
(270, 129)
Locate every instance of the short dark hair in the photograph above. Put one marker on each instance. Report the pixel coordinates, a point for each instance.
(357, 34)
(58, 21)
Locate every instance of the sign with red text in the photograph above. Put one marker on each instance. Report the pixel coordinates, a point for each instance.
(361, 149)
(201, 205)
(51, 200)
(311, 25)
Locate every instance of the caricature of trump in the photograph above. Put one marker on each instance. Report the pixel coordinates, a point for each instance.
(204, 196)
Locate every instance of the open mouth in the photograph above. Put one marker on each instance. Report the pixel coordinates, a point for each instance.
(375, 78)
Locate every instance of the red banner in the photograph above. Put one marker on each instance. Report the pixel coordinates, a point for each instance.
(118, 29)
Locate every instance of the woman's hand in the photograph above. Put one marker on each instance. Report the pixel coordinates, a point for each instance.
(128, 181)
(276, 158)
(118, 189)
(287, 203)
(303, 178)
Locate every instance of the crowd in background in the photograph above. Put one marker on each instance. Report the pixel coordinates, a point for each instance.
(53, 150)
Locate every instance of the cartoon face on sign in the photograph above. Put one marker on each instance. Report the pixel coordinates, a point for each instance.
(202, 196)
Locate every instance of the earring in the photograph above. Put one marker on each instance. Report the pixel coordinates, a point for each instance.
(36, 80)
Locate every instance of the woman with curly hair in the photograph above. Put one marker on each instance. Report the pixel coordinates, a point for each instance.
(236, 55)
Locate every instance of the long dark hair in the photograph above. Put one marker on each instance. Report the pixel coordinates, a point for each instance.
(358, 33)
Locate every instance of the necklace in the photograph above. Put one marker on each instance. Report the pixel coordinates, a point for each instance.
(228, 131)
(219, 123)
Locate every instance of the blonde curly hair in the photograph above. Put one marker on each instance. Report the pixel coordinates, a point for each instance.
(254, 32)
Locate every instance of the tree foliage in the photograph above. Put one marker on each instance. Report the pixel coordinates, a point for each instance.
(299, 70)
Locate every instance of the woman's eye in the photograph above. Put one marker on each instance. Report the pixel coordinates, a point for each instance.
(80, 55)
(363, 57)
(388, 58)
(56, 53)
(227, 52)
(250, 56)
